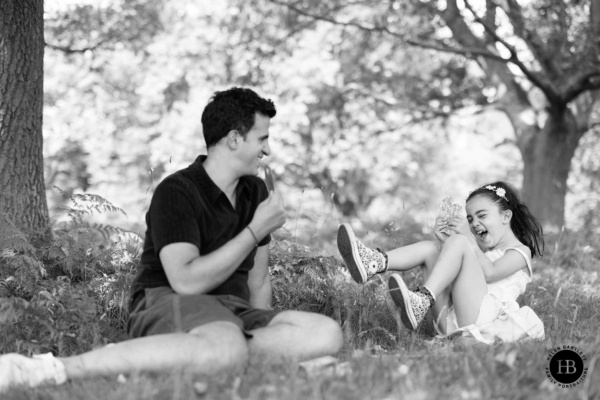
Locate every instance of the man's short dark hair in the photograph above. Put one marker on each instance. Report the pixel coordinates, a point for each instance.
(233, 109)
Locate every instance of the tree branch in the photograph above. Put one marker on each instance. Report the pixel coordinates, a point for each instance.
(533, 41)
(376, 28)
(490, 13)
(439, 46)
(593, 126)
(595, 21)
(465, 51)
(70, 50)
(538, 81)
(497, 72)
(588, 80)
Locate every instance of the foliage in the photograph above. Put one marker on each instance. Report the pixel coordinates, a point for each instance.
(80, 303)
(380, 358)
(363, 118)
(69, 293)
(320, 284)
(113, 24)
(347, 124)
(514, 57)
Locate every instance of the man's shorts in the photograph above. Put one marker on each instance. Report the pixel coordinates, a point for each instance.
(162, 310)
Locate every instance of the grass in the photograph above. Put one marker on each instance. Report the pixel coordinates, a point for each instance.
(380, 359)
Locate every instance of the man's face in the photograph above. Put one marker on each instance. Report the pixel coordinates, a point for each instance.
(256, 144)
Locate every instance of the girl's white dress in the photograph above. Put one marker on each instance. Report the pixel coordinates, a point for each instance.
(500, 316)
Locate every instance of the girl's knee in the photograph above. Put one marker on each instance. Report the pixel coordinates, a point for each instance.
(457, 240)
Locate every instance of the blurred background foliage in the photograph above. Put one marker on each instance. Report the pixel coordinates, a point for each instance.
(369, 129)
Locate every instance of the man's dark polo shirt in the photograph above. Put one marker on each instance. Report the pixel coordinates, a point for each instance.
(187, 206)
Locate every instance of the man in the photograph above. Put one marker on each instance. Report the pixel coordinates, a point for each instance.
(202, 298)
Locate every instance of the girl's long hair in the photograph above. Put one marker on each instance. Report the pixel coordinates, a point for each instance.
(523, 224)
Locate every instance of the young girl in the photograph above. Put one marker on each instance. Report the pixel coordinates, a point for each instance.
(473, 277)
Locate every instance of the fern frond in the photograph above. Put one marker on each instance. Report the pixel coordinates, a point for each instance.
(78, 227)
(10, 309)
(312, 273)
(5, 291)
(94, 202)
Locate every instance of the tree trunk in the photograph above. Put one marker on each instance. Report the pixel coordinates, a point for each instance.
(547, 162)
(22, 190)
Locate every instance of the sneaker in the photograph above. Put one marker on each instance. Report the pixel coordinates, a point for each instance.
(361, 261)
(18, 370)
(413, 306)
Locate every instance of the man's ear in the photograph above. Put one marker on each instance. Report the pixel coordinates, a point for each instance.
(233, 139)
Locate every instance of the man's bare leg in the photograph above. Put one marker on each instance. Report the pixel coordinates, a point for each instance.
(296, 335)
(209, 348)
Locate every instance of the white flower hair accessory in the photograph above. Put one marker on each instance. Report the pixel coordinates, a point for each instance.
(500, 192)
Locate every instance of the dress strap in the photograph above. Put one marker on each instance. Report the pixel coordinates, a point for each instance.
(525, 256)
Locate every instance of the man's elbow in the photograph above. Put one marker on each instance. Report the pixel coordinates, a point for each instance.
(182, 288)
(186, 287)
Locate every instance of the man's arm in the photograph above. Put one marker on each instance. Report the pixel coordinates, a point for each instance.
(259, 280)
(189, 272)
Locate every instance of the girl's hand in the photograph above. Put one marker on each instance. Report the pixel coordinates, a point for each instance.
(459, 225)
(440, 223)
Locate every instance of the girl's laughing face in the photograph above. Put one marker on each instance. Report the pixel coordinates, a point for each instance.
(486, 221)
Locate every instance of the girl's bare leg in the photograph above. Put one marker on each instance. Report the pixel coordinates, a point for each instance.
(458, 271)
(425, 254)
(413, 255)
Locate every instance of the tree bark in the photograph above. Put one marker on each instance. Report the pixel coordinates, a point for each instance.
(22, 189)
(547, 162)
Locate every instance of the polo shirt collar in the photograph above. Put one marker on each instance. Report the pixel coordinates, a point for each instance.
(203, 181)
(212, 191)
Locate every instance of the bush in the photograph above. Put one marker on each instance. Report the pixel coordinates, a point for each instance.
(66, 293)
(307, 282)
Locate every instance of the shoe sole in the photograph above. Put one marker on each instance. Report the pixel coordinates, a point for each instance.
(346, 242)
(399, 293)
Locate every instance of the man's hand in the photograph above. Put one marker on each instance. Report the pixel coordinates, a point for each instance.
(269, 215)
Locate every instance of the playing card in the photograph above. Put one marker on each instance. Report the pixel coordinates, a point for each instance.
(449, 209)
(269, 178)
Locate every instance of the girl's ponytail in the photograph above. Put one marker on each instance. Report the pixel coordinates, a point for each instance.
(524, 225)
(527, 229)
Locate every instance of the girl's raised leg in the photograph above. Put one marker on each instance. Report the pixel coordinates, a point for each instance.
(457, 272)
(363, 262)
(457, 268)
(407, 257)
(426, 254)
